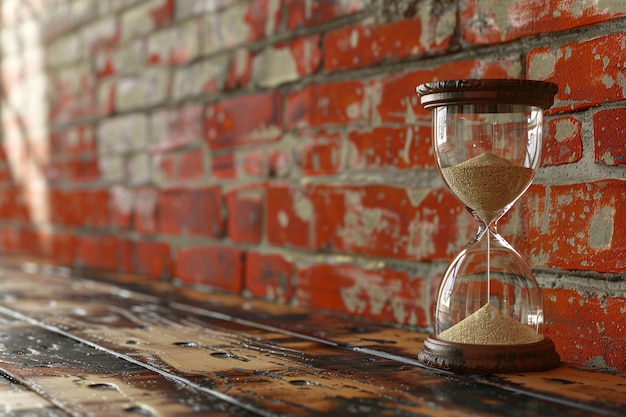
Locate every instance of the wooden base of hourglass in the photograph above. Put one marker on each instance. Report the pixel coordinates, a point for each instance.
(489, 359)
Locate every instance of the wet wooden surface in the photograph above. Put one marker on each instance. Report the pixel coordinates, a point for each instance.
(122, 346)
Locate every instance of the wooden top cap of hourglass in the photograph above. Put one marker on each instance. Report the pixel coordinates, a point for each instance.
(490, 91)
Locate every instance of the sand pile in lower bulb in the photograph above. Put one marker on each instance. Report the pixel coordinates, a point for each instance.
(487, 326)
(487, 183)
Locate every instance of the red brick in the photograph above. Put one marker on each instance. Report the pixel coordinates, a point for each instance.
(395, 94)
(377, 220)
(256, 163)
(61, 247)
(217, 266)
(269, 275)
(80, 207)
(95, 204)
(599, 81)
(189, 211)
(319, 152)
(301, 13)
(191, 164)
(248, 119)
(484, 21)
(609, 131)
(261, 18)
(364, 45)
(13, 206)
(152, 259)
(245, 215)
(332, 103)
(388, 221)
(223, 166)
(562, 143)
(384, 294)
(585, 327)
(104, 252)
(84, 169)
(403, 148)
(289, 217)
(576, 227)
(165, 166)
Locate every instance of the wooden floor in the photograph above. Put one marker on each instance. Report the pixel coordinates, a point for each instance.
(73, 346)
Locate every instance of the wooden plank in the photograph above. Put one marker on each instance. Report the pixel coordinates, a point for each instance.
(245, 349)
(16, 400)
(81, 380)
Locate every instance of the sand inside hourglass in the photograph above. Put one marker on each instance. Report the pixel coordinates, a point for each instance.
(487, 184)
(488, 326)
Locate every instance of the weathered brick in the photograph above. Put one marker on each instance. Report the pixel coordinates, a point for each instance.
(123, 134)
(266, 163)
(601, 81)
(377, 220)
(319, 152)
(152, 259)
(586, 328)
(123, 200)
(74, 140)
(176, 127)
(240, 69)
(364, 45)
(609, 132)
(394, 96)
(149, 89)
(287, 61)
(482, 21)
(191, 211)
(145, 210)
(562, 143)
(165, 168)
(269, 275)
(101, 34)
(202, 77)
(174, 45)
(576, 227)
(146, 17)
(242, 22)
(305, 13)
(383, 294)
(65, 51)
(340, 102)
(403, 148)
(189, 8)
(138, 169)
(217, 266)
(247, 119)
(245, 209)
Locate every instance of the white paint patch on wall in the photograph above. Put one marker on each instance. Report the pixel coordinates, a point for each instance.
(601, 228)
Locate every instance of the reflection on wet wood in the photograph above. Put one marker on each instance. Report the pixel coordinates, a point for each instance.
(151, 349)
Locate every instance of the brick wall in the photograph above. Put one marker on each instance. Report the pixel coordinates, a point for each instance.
(276, 148)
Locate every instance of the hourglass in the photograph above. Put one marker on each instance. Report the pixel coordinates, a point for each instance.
(487, 139)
